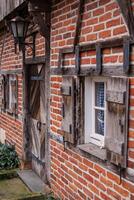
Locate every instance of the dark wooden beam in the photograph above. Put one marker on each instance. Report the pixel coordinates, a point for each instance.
(127, 12)
(35, 61)
(126, 55)
(43, 6)
(38, 10)
(87, 71)
(79, 22)
(98, 59)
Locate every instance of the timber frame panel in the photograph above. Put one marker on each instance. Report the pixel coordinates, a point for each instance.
(125, 42)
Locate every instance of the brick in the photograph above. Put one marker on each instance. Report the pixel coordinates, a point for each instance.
(92, 6)
(69, 178)
(100, 170)
(113, 22)
(131, 101)
(77, 157)
(132, 91)
(131, 143)
(78, 184)
(110, 59)
(98, 11)
(74, 161)
(131, 134)
(106, 181)
(105, 34)
(83, 167)
(73, 174)
(93, 173)
(113, 194)
(77, 170)
(92, 21)
(99, 27)
(92, 37)
(120, 30)
(105, 17)
(64, 180)
(96, 198)
(121, 191)
(111, 6)
(82, 195)
(94, 189)
(86, 30)
(131, 164)
(88, 177)
(87, 163)
(100, 185)
(105, 196)
(82, 181)
(113, 177)
(88, 193)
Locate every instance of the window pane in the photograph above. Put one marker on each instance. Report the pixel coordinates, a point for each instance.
(99, 122)
(99, 94)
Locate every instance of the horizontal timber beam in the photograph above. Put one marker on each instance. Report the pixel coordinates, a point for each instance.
(36, 60)
(91, 70)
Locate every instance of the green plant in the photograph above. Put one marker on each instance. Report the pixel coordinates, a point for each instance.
(8, 157)
(51, 197)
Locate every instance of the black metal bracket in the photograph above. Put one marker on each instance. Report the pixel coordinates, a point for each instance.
(22, 46)
(65, 143)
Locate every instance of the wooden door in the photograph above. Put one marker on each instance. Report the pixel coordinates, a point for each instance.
(37, 118)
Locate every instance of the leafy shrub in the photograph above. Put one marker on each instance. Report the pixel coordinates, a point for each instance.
(8, 157)
(51, 197)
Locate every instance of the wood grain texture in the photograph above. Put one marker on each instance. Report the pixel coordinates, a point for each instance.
(116, 121)
(68, 116)
(7, 6)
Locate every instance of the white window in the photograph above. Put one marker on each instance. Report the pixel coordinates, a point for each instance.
(11, 94)
(95, 110)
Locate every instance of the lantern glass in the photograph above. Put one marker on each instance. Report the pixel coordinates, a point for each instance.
(14, 29)
(19, 28)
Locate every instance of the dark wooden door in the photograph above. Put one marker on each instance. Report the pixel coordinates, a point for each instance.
(38, 118)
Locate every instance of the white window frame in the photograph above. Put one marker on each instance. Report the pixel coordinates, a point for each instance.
(11, 100)
(90, 135)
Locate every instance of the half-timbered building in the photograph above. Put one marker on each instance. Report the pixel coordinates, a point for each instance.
(67, 94)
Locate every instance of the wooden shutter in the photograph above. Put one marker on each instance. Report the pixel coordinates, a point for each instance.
(68, 109)
(2, 92)
(117, 120)
(14, 93)
(7, 92)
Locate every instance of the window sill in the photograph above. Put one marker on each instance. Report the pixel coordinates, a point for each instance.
(93, 150)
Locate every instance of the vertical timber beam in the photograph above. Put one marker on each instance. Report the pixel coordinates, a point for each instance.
(26, 159)
(47, 83)
(79, 22)
(41, 13)
(127, 12)
(98, 58)
(126, 55)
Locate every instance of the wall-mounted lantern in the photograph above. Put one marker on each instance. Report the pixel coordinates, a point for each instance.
(19, 29)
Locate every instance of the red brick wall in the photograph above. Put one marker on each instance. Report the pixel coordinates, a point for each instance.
(10, 61)
(72, 175)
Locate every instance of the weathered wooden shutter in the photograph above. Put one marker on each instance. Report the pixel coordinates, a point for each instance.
(14, 94)
(117, 120)
(7, 92)
(68, 109)
(2, 92)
